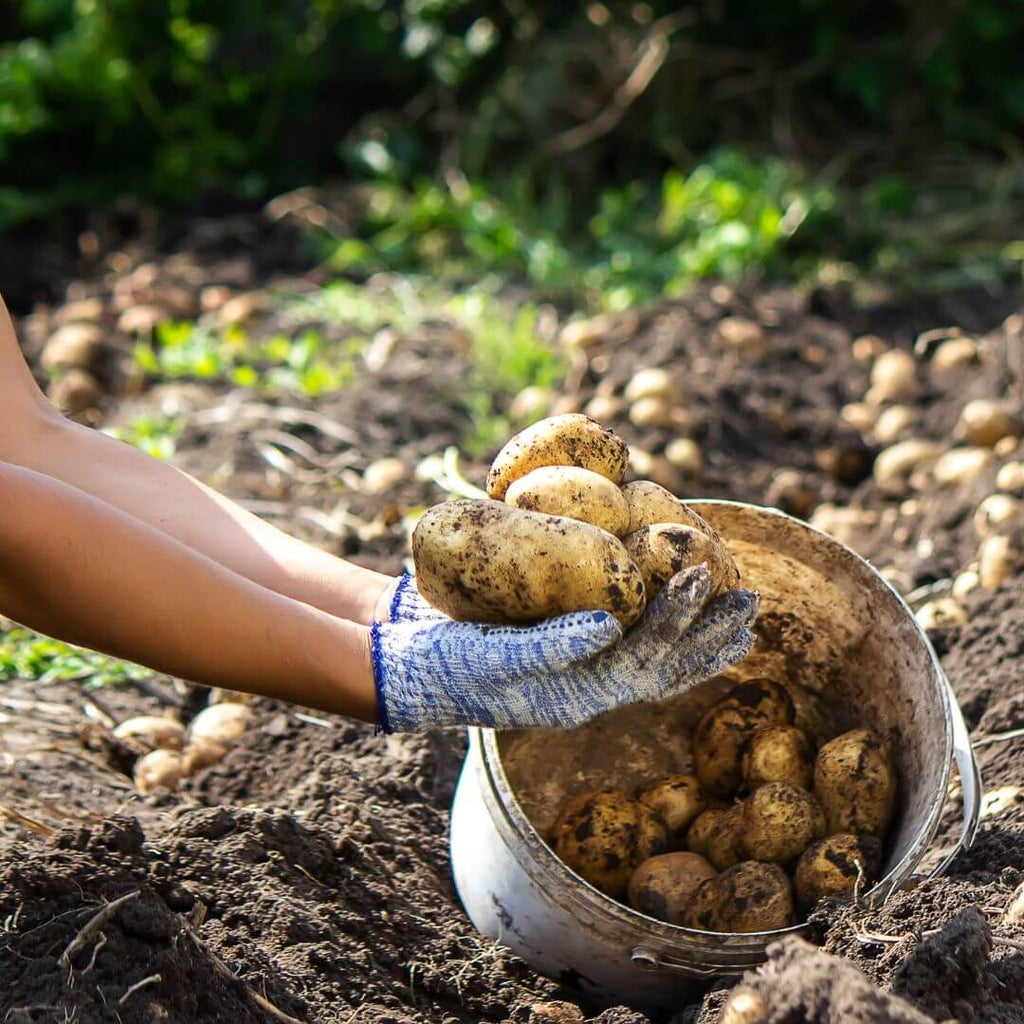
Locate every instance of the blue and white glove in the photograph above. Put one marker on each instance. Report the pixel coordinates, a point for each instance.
(431, 670)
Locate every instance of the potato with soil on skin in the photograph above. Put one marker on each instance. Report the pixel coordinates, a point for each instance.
(662, 550)
(572, 492)
(778, 753)
(722, 732)
(159, 769)
(661, 886)
(832, 866)
(716, 835)
(678, 799)
(604, 836)
(650, 503)
(224, 724)
(855, 783)
(153, 731)
(779, 822)
(201, 753)
(569, 440)
(749, 897)
(483, 561)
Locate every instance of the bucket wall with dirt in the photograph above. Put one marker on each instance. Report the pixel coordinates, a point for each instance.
(851, 651)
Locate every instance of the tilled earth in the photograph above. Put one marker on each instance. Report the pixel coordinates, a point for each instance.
(305, 877)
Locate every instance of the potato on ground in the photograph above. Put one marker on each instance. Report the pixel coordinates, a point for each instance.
(569, 440)
(749, 897)
(678, 799)
(483, 561)
(159, 769)
(224, 724)
(605, 836)
(722, 732)
(832, 866)
(855, 783)
(153, 731)
(717, 835)
(201, 753)
(661, 886)
(779, 822)
(650, 503)
(778, 753)
(572, 492)
(662, 550)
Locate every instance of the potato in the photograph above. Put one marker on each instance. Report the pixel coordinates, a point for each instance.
(779, 822)
(486, 562)
(778, 753)
(662, 550)
(159, 769)
(678, 799)
(572, 492)
(855, 783)
(224, 724)
(749, 897)
(661, 886)
(650, 503)
(604, 836)
(201, 753)
(153, 731)
(723, 730)
(569, 440)
(716, 836)
(832, 866)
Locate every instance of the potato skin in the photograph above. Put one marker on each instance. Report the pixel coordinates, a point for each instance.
(722, 732)
(779, 822)
(717, 835)
(855, 782)
(778, 753)
(483, 561)
(569, 440)
(678, 799)
(662, 550)
(749, 897)
(604, 836)
(572, 492)
(661, 886)
(153, 731)
(829, 867)
(650, 503)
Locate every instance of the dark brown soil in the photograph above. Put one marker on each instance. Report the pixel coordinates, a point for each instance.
(312, 862)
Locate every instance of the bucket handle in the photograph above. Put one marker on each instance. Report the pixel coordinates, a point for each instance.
(970, 782)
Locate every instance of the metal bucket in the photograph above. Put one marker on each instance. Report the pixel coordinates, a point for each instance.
(828, 624)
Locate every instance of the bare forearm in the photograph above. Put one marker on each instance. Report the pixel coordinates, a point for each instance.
(76, 568)
(198, 517)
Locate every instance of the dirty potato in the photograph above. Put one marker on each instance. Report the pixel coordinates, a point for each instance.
(749, 897)
(717, 835)
(662, 550)
(153, 731)
(778, 753)
(569, 440)
(572, 492)
(650, 503)
(678, 799)
(832, 866)
(604, 836)
(159, 769)
(722, 732)
(483, 561)
(779, 822)
(661, 886)
(855, 783)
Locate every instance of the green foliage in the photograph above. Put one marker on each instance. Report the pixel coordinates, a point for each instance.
(28, 656)
(166, 99)
(155, 435)
(306, 364)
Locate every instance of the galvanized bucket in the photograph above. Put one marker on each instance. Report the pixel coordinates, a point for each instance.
(828, 624)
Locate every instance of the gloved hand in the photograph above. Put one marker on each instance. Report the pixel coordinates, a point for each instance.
(431, 670)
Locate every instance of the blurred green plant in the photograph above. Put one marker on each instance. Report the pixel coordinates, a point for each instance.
(155, 435)
(305, 364)
(28, 656)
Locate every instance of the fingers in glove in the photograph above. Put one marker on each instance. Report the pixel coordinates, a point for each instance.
(677, 605)
(722, 617)
(730, 653)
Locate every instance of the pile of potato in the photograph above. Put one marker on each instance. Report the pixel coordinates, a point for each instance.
(763, 829)
(557, 533)
(171, 753)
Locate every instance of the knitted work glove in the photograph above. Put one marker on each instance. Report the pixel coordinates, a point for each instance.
(436, 671)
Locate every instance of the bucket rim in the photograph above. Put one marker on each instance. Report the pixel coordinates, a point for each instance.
(594, 902)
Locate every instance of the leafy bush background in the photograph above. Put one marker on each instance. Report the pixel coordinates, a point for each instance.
(167, 98)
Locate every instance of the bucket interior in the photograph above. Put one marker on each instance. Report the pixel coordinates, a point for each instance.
(831, 629)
